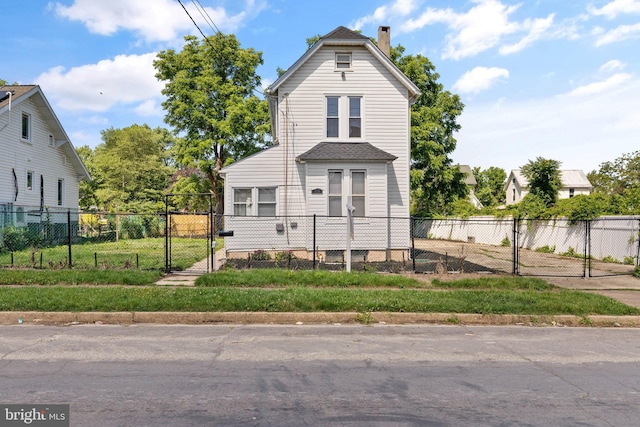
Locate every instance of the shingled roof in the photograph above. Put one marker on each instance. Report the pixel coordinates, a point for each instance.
(16, 92)
(345, 152)
(343, 33)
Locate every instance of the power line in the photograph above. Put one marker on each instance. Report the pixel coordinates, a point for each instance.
(192, 20)
(205, 16)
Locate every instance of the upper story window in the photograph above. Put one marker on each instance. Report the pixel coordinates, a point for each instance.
(343, 61)
(572, 192)
(344, 117)
(26, 126)
(52, 142)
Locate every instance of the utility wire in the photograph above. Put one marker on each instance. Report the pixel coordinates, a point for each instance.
(205, 16)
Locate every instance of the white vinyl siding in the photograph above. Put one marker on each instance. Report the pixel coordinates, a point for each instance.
(22, 156)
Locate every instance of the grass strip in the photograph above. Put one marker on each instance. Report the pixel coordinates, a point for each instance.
(522, 283)
(78, 277)
(308, 300)
(306, 278)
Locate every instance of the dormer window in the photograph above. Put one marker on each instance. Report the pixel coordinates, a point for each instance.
(343, 61)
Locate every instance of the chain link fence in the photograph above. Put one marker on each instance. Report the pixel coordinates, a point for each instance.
(175, 241)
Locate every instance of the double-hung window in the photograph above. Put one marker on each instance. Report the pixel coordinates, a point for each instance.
(242, 201)
(266, 202)
(335, 193)
(344, 117)
(358, 196)
(243, 204)
(343, 61)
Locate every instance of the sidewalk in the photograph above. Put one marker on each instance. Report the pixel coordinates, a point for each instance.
(188, 277)
(625, 289)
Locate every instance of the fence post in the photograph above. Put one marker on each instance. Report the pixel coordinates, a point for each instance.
(413, 242)
(514, 240)
(315, 255)
(166, 234)
(69, 235)
(638, 249)
(587, 248)
(212, 234)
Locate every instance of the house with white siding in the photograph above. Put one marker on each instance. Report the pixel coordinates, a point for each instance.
(341, 124)
(574, 182)
(40, 170)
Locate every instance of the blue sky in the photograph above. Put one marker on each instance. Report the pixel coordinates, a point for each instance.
(557, 79)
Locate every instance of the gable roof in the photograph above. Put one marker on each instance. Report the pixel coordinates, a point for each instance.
(570, 178)
(469, 178)
(345, 152)
(21, 93)
(343, 36)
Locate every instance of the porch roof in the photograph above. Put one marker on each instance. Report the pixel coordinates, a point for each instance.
(345, 152)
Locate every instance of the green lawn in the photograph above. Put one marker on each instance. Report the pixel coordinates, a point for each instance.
(285, 291)
(144, 254)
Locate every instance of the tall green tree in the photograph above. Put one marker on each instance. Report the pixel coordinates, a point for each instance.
(544, 179)
(435, 182)
(211, 102)
(490, 185)
(131, 168)
(87, 189)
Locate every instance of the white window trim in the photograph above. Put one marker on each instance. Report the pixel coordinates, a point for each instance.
(343, 117)
(330, 194)
(346, 193)
(252, 204)
(337, 61)
(29, 127)
(33, 181)
(61, 196)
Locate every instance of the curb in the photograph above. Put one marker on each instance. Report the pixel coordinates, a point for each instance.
(200, 318)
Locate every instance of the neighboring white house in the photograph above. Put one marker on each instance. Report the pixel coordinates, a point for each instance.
(341, 124)
(470, 180)
(40, 169)
(574, 182)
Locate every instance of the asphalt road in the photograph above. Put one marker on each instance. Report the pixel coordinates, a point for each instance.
(342, 375)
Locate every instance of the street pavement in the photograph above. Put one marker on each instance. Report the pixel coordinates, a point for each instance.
(331, 375)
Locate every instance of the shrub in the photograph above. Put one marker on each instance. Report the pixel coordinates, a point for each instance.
(629, 260)
(636, 272)
(610, 259)
(260, 255)
(17, 239)
(546, 249)
(505, 242)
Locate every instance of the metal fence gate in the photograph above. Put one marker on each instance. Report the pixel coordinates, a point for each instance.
(190, 231)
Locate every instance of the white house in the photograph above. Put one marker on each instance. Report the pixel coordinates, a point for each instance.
(470, 180)
(40, 169)
(341, 124)
(574, 182)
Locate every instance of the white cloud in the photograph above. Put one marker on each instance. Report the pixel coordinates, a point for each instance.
(580, 131)
(483, 27)
(479, 79)
(160, 21)
(101, 86)
(623, 32)
(615, 8)
(149, 108)
(611, 66)
(601, 86)
(537, 28)
(398, 8)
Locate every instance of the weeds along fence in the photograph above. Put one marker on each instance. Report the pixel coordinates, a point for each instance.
(170, 241)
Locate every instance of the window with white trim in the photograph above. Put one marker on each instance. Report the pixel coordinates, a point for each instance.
(335, 193)
(333, 117)
(266, 202)
(60, 192)
(30, 176)
(358, 192)
(52, 141)
(344, 117)
(244, 205)
(242, 201)
(343, 61)
(26, 127)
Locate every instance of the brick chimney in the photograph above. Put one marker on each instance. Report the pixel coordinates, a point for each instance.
(384, 40)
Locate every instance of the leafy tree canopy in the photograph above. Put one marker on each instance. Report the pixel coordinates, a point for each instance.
(210, 101)
(490, 185)
(130, 169)
(544, 179)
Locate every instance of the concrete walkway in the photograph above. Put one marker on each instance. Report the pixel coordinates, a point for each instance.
(188, 277)
(625, 289)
